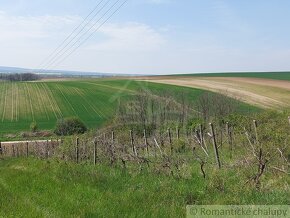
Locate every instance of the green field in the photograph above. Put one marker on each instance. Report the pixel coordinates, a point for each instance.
(37, 188)
(93, 101)
(264, 75)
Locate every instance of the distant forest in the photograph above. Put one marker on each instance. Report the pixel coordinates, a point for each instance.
(13, 77)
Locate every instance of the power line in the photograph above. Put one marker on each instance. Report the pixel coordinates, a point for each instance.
(60, 45)
(62, 48)
(80, 43)
(70, 38)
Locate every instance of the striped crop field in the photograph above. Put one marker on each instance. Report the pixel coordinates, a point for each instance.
(45, 102)
(92, 101)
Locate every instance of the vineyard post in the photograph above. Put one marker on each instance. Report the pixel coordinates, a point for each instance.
(53, 145)
(202, 137)
(13, 150)
(112, 148)
(38, 148)
(256, 131)
(201, 134)
(1, 152)
(27, 149)
(177, 133)
(46, 149)
(95, 151)
(229, 136)
(146, 142)
(4, 150)
(77, 150)
(61, 144)
(132, 143)
(215, 145)
(186, 132)
(170, 141)
(289, 119)
(113, 141)
(221, 138)
(17, 150)
(161, 138)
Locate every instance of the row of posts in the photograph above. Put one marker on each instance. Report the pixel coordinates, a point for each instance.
(134, 150)
(133, 146)
(16, 152)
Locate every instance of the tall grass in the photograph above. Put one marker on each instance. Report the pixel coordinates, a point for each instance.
(37, 188)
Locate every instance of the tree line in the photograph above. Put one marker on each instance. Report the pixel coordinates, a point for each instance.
(13, 77)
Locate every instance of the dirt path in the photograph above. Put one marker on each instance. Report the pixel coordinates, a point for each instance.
(259, 92)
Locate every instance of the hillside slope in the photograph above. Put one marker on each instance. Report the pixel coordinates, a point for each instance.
(265, 93)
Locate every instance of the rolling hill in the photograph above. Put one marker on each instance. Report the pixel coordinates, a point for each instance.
(93, 101)
(265, 90)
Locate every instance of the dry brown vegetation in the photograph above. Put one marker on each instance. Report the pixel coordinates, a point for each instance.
(264, 93)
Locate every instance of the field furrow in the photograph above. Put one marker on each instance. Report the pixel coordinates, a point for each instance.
(66, 99)
(30, 102)
(12, 101)
(25, 110)
(43, 101)
(17, 102)
(55, 107)
(37, 98)
(3, 99)
(84, 105)
(5, 102)
(99, 113)
(50, 101)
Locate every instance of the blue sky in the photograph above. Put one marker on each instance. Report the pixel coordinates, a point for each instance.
(151, 36)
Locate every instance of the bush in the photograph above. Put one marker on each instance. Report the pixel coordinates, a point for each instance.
(70, 126)
(33, 127)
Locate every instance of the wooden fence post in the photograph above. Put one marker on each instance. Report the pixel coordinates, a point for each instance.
(4, 150)
(202, 137)
(112, 148)
(77, 150)
(17, 150)
(113, 141)
(46, 149)
(146, 142)
(177, 133)
(13, 150)
(170, 141)
(1, 151)
(132, 143)
(27, 149)
(289, 119)
(256, 132)
(229, 136)
(95, 151)
(215, 145)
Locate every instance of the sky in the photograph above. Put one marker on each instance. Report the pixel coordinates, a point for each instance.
(150, 36)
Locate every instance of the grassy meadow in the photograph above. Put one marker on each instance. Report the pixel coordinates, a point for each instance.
(38, 188)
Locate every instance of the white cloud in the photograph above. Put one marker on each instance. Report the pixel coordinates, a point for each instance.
(129, 37)
(26, 40)
(23, 28)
